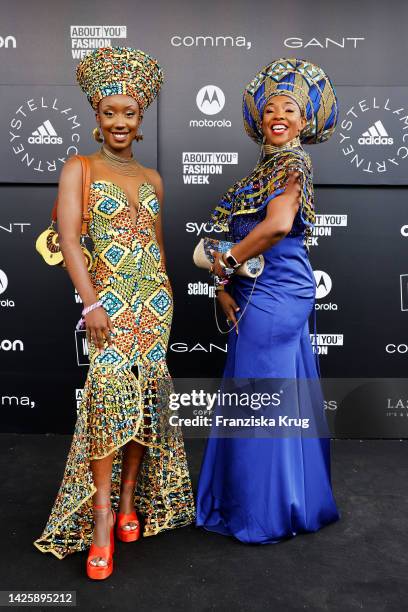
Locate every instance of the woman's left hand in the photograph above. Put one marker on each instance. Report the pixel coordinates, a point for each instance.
(218, 270)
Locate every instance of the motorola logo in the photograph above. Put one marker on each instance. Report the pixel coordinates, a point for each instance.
(404, 231)
(323, 287)
(3, 281)
(323, 284)
(210, 99)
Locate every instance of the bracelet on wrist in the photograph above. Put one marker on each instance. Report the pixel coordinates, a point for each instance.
(91, 307)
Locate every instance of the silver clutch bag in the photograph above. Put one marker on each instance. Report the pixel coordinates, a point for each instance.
(203, 259)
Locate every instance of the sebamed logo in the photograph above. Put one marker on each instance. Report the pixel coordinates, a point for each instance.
(325, 341)
(324, 225)
(201, 228)
(375, 135)
(323, 287)
(207, 40)
(185, 347)
(11, 345)
(14, 228)
(344, 42)
(45, 134)
(7, 42)
(44, 121)
(201, 289)
(198, 166)
(210, 100)
(4, 303)
(86, 38)
(375, 121)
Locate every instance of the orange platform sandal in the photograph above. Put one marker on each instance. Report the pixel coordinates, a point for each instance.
(128, 535)
(100, 572)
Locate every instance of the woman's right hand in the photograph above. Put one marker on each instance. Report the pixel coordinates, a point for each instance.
(229, 306)
(98, 328)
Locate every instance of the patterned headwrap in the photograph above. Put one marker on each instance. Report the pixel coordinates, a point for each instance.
(305, 83)
(108, 71)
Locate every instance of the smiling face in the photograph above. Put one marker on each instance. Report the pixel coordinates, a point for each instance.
(282, 120)
(118, 117)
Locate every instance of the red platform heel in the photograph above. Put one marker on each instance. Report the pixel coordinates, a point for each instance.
(127, 535)
(100, 572)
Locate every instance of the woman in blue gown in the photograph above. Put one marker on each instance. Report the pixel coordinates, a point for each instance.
(265, 489)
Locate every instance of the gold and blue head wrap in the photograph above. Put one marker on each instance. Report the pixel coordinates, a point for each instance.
(302, 81)
(108, 71)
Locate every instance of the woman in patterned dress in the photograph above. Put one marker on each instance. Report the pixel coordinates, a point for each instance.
(123, 456)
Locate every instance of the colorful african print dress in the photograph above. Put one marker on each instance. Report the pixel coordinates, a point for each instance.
(127, 387)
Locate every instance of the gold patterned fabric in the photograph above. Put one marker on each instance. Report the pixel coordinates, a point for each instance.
(126, 391)
(250, 195)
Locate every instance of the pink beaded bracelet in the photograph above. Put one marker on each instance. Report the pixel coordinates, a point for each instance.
(81, 322)
(91, 307)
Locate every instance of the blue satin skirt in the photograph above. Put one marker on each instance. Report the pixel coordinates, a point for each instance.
(262, 490)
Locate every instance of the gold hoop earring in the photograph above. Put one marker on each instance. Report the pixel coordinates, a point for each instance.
(97, 135)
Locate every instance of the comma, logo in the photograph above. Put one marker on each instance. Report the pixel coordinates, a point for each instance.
(210, 41)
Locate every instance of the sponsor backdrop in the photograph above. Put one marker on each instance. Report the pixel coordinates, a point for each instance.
(194, 136)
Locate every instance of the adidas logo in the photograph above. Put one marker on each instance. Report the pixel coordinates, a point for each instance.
(45, 134)
(375, 135)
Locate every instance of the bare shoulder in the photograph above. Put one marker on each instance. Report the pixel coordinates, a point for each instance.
(71, 170)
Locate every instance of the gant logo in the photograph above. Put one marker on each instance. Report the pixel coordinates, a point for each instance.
(45, 134)
(210, 99)
(375, 135)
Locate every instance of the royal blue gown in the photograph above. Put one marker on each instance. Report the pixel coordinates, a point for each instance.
(262, 490)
